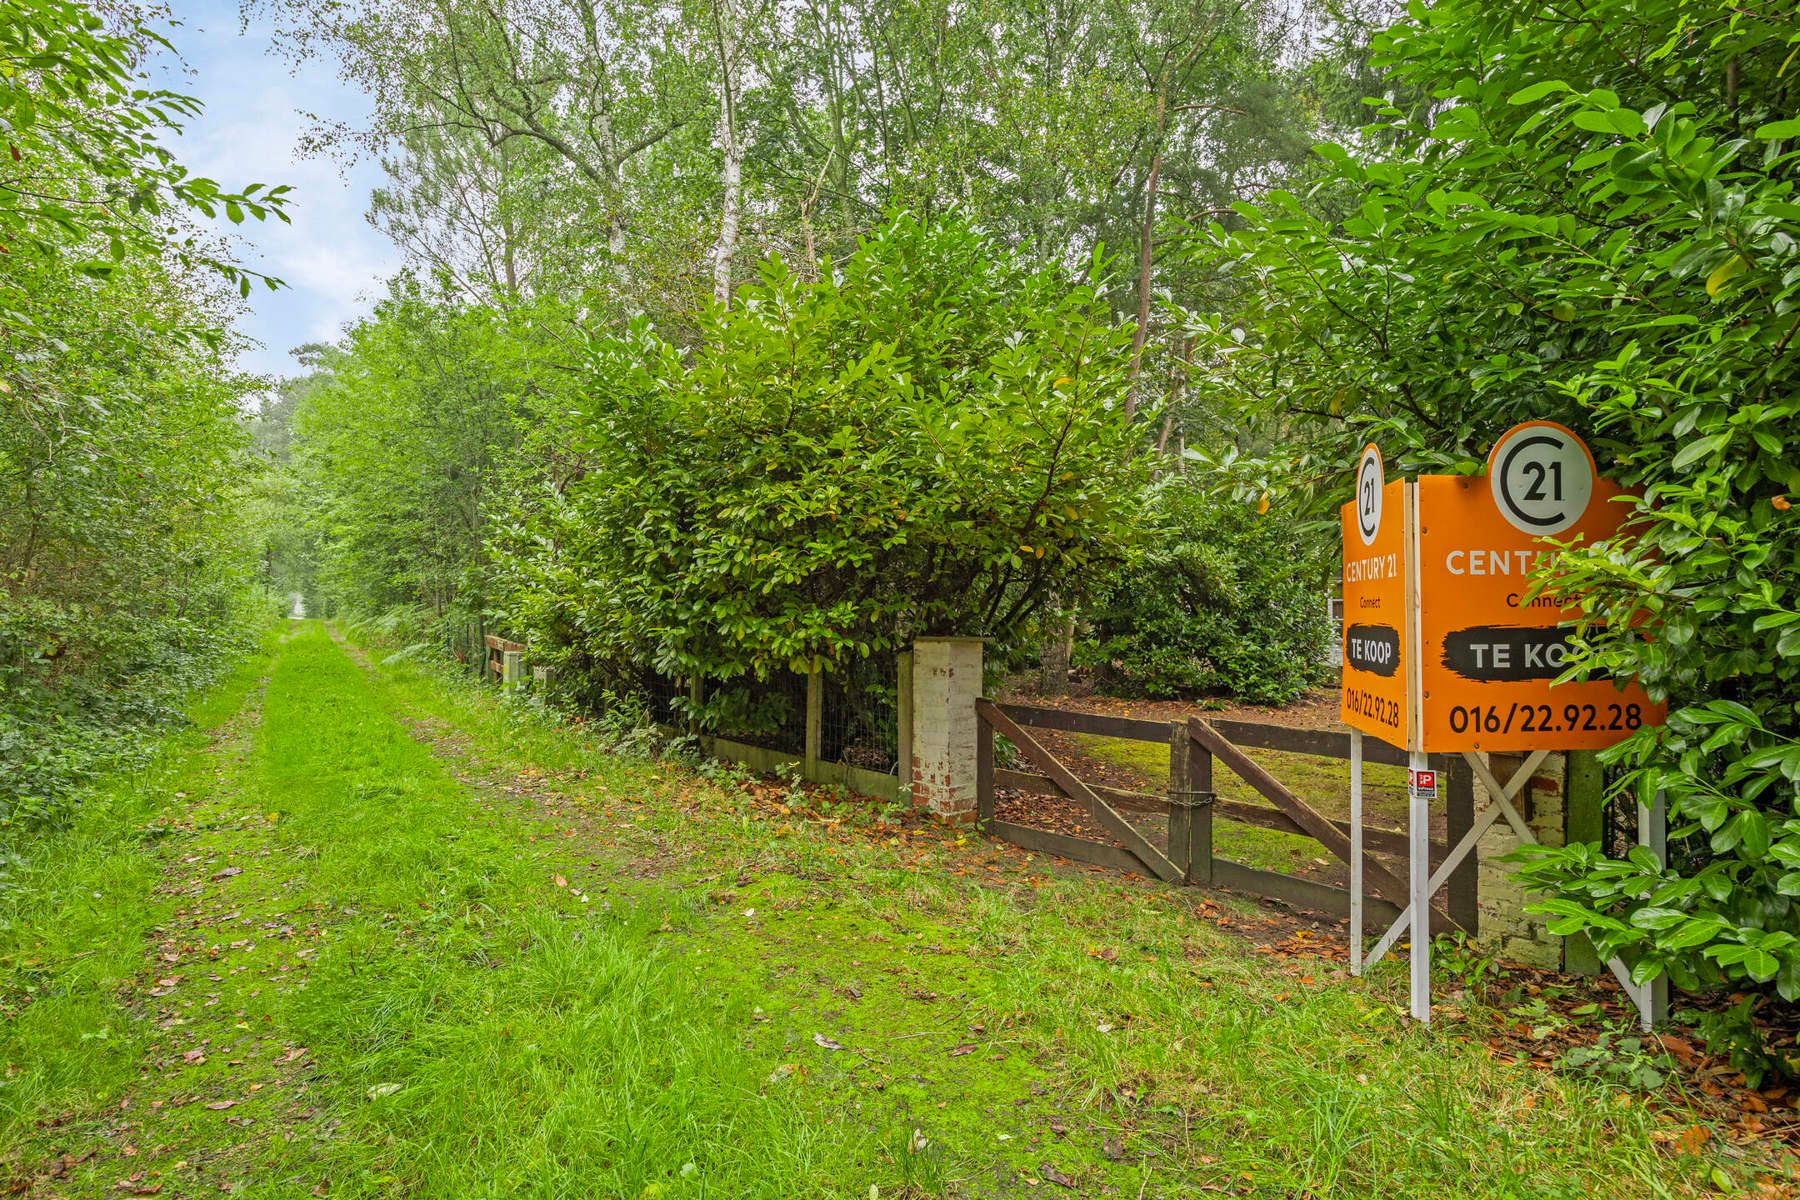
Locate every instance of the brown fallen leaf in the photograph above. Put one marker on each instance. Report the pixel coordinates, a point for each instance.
(221, 1105)
(228, 872)
(965, 1048)
(1055, 1176)
(826, 1043)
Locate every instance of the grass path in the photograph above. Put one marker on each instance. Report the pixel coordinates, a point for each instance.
(372, 933)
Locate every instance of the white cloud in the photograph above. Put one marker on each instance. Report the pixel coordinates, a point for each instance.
(332, 260)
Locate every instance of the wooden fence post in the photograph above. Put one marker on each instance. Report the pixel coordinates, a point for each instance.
(1190, 806)
(1200, 826)
(1462, 893)
(1584, 820)
(696, 695)
(813, 748)
(1180, 788)
(984, 775)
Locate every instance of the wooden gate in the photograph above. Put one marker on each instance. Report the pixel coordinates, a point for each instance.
(1196, 746)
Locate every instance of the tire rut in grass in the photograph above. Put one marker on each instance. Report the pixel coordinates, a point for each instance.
(199, 1063)
(561, 800)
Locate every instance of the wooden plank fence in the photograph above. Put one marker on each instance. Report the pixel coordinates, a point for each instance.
(505, 660)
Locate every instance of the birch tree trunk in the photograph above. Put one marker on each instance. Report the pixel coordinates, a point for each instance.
(1146, 258)
(727, 19)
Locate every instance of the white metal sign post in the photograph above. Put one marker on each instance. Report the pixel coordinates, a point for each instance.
(1421, 790)
(1439, 654)
(1356, 851)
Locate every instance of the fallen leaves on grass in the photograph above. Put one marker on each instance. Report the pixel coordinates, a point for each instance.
(1690, 1140)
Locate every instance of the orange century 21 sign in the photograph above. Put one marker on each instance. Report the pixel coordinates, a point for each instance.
(1376, 579)
(1487, 651)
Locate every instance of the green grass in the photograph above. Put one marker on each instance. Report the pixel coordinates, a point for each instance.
(494, 960)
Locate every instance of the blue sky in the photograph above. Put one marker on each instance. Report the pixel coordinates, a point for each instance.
(331, 258)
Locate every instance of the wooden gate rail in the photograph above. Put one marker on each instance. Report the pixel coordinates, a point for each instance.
(1387, 841)
(1103, 813)
(1325, 743)
(1382, 882)
(1191, 806)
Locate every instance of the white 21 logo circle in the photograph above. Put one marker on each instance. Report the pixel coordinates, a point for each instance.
(1370, 477)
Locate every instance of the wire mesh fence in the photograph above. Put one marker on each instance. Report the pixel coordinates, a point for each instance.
(766, 713)
(666, 697)
(860, 714)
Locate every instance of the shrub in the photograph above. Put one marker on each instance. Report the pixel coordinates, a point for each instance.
(927, 440)
(1219, 599)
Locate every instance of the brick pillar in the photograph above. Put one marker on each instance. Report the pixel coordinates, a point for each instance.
(1505, 925)
(946, 682)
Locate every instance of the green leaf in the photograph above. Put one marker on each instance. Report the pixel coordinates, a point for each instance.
(1537, 91)
(1698, 449)
(1658, 918)
(1724, 273)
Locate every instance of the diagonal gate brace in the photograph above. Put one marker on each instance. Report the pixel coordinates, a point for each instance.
(1102, 812)
(1385, 883)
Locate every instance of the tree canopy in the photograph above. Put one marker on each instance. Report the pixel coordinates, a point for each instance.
(122, 461)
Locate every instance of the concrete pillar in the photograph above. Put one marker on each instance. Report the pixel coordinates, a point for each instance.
(946, 682)
(512, 669)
